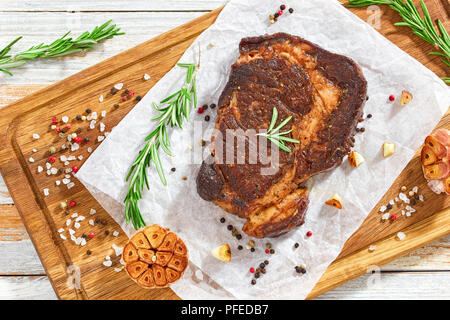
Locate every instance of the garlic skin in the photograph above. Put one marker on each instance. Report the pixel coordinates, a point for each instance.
(435, 159)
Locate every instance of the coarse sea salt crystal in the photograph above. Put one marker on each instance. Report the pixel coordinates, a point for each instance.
(100, 138)
(91, 222)
(36, 136)
(75, 147)
(70, 185)
(48, 165)
(49, 172)
(118, 86)
(92, 211)
(107, 258)
(66, 163)
(46, 192)
(115, 233)
(92, 124)
(402, 196)
(396, 199)
(68, 222)
(63, 147)
(80, 158)
(57, 182)
(65, 181)
(117, 269)
(54, 170)
(100, 98)
(63, 236)
(391, 202)
(146, 77)
(83, 242)
(103, 114)
(107, 263)
(122, 262)
(401, 235)
(61, 230)
(94, 115)
(410, 208)
(71, 231)
(63, 158)
(34, 150)
(71, 158)
(102, 127)
(408, 214)
(40, 169)
(89, 149)
(78, 241)
(73, 238)
(81, 218)
(415, 189)
(421, 197)
(117, 250)
(403, 212)
(74, 215)
(383, 208)
(385, 216)
(31, 160)
(65, 119)
(372, 248)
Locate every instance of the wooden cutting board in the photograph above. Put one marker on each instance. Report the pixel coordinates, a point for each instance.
(43, 217)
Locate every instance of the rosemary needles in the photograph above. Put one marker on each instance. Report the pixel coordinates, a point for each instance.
(61, 47)
(273, 134)
(173, 110)
(422, 27)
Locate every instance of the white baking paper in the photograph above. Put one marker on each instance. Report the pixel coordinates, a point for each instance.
(388, 70)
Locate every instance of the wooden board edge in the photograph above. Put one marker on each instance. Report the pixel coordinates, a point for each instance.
(387, 249)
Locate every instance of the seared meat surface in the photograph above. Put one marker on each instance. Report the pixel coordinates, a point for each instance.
(322, 91)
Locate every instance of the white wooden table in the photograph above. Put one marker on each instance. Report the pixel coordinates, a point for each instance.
(424, 274)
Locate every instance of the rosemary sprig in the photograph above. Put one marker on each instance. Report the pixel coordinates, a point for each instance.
(60, 47)
(173, 110)
(275, 136)
(422, 27)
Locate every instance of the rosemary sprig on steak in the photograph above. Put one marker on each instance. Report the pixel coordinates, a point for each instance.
(173, 110)
(60, 47)
(273, 134)
(422, 27)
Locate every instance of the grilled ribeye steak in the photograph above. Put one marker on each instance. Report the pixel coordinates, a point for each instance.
(322, 91)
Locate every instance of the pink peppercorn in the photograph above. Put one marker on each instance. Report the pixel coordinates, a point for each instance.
(131, 93)
(393, 217)
(280, 12)
(252, 270)
(309, 234)
(68, 126)
(72, 204)
(200, 110)
(52, 159)
(75, 169)
(267, 251)
(54, 120)
(124, 98)
(77, 139)
(58, 129)
(91, 235)
(391, 97)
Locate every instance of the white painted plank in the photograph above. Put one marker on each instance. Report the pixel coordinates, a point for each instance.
(19, 257)
(45, 27)
(29, 288)
(401, 285)
(114, 5)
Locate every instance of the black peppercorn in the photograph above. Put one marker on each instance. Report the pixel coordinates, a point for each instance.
(413, 202)
(296, 245)
(97, 220)
(207, 118)
(84, 236)
(89, 252)
(272, 251)
(88, 111)
(369, 115)
(78, 117)
(291, 10)
(230, 227)
(389, 206)
(86, 140)
(212, 105)
(282, 7)
(257, 275)
(253, 282)
(357, 129)
(173, 169)
(266, 262)
(252, 249)
(138, 98)
(262, 265)
(107, 232)
(362, 129)
(276, 15)
(113, 91)
(64, 130)
(240, 247)
(263, 271)
(239, 237)
(205, 106)
(126, 91)
(222, 220)
(66, 212)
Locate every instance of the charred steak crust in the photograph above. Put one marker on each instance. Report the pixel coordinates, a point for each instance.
(322, 91)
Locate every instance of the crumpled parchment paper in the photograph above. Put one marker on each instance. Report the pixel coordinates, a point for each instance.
(387, 69)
